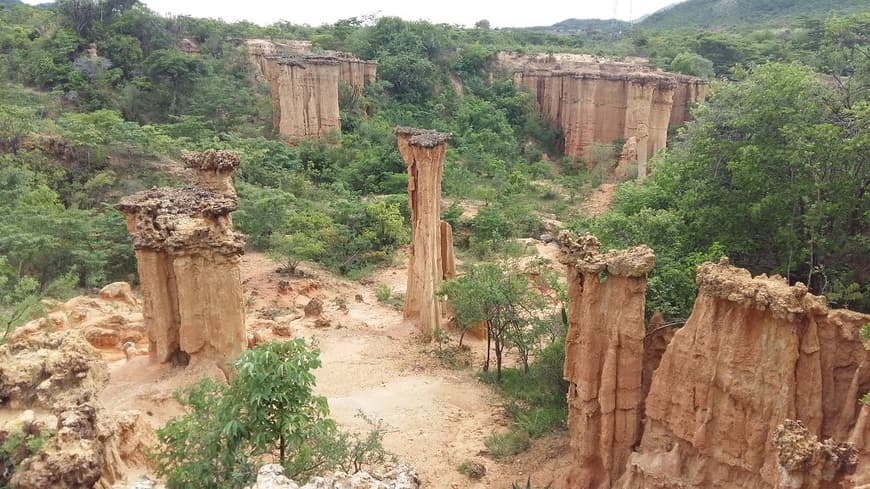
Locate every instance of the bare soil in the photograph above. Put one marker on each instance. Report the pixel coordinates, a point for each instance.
(372, 362)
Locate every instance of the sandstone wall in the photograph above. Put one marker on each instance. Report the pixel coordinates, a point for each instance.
(423, 152)
(603, 356)
(304, 96)
(753, 354)
(602, 102)
(305, 86)
(759, 389)
(188, 261)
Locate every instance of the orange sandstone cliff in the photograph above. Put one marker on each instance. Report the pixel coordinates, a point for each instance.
(305, 86)
(603, 356)
(759, 388)
(188, 257)
(423, 152)
(593, 101)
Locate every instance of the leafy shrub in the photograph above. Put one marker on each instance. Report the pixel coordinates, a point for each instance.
(16, 446)
(268, 411)
(383, 292)
(472, 469)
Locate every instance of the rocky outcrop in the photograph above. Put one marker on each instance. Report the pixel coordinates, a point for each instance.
(600, 102)
(805, 462)
(305, 86)
(423, 152)
(304, 96)
(603, 356)
(401, 477)
(758, 389)
(188, 260)
(108, 321)
(89, 448)
(43, 369)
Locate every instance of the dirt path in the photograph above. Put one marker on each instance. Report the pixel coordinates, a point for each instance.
(374, 363)
(599, 200)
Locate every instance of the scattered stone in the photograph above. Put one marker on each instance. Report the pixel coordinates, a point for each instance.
(314, 308)
(119, 291)
(401, 477)
(322, 322)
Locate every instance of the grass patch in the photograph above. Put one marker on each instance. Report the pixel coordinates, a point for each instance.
(536, 401)
(507, 444)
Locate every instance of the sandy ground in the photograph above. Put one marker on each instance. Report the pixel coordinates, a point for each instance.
(372, 362)
(599, 200)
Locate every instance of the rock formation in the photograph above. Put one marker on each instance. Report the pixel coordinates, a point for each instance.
(592, 101)
(304, 96)
(448, 259)
(751, 392)
(43, 369)
(107, 321)
(59, 371)
(401, 477)
(423, 152)
(603, 356)
(188, 260)
(305, 86)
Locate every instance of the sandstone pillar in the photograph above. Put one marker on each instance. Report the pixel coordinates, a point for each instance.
(603, 356)
(423, 152)
(448, 259)
(188, 260)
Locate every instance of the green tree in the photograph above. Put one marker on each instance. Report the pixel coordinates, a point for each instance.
(501, 297)
(268, 409)
(692, 64)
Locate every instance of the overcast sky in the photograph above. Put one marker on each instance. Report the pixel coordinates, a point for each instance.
(504, 13)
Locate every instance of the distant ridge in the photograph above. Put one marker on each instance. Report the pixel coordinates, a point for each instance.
(579, 26)
(736, 14)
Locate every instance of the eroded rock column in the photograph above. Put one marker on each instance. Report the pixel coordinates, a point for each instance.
(603, 356)
(423, 152)
(188, 261)
(751, 389)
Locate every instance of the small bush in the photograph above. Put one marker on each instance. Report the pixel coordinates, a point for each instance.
(17, 446)
(472, 469)
(383, 292)
(507, 444)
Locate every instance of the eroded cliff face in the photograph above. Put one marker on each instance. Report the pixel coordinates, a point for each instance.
(754, 353)
(759, 388)
(603, 356)
(594, 101)
(423, 152)
(187, 255)
(305, 86)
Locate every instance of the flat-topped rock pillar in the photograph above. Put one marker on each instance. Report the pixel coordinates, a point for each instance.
(188, 257)
(423, 152)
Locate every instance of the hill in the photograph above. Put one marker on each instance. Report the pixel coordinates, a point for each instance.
(580, 26)
(747, 14)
